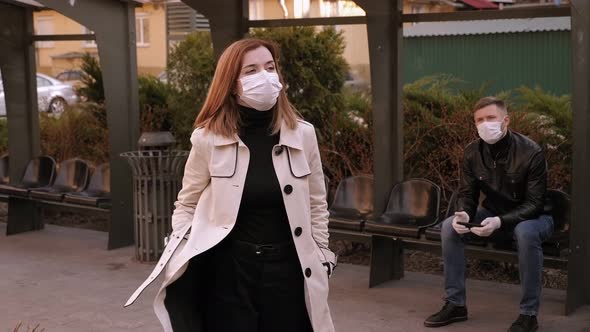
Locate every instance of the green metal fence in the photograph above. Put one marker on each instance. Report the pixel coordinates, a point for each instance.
(505, 61)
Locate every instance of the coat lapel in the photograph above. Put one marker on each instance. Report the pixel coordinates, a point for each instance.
(290, 137)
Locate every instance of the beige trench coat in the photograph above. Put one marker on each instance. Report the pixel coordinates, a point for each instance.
(208, 203)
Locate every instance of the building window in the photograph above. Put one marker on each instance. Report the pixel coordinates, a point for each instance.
(328, 8)
(88, 43)
(142, 32)
(45, 27)
(333, 8)
(256, 9)
(142, 29)
(301, 8)
(182, 20)
(417, 9)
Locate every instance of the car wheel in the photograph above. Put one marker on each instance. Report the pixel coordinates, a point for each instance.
(57, 106)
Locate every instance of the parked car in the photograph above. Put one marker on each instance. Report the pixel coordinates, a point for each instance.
(52, 95)
(356, 83)
(71, 77)
(163, 77)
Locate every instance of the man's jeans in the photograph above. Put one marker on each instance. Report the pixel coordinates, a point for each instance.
(529, 236)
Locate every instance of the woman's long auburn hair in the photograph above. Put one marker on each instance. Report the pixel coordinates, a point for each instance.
(220, 112)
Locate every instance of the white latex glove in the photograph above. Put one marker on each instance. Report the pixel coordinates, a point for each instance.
(489, 225)
(462, 217)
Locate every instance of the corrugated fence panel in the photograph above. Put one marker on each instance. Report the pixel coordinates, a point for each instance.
(504, 61)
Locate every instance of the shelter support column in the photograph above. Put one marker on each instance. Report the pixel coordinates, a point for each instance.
(384, 29)
(578, 290)
(114, 25)
(17, 64)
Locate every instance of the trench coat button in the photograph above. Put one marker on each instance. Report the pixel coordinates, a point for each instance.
(288, 189)
(298, 231)
(308, 272)
(279, 150)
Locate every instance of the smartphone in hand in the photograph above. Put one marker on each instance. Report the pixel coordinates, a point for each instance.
(468, 224)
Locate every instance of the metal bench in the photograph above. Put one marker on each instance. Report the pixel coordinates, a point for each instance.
(387, 246)
(98, 191)
(44, 183)
(353, 203)
(40, 172)
(413, 207)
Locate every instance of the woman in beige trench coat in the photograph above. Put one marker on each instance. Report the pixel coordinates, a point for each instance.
(247, 247)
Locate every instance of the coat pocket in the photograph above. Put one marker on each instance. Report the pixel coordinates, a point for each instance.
(224, 160)
(298, 163)
(327, 256)
(328, 259)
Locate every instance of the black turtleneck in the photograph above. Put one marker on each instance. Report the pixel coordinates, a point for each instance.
(262, 218)
(502, 145)
(499, 150)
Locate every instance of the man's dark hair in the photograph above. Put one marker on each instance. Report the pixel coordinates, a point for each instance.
(487, 101)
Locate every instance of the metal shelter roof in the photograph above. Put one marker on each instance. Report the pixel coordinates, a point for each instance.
(456, 28)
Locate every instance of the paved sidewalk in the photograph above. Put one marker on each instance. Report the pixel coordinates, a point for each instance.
(65, 280)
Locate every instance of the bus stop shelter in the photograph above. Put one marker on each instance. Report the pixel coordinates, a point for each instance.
(229, 21)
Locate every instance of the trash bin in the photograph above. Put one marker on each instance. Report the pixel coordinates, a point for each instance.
(157, 174)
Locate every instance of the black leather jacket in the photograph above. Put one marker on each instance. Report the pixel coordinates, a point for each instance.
(512, 174)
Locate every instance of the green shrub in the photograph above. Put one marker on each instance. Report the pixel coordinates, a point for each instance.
(557, 108)
(92, 88)
(77, 133)
(151, 91)
(551, 119)
(153, 105)
(347, 146)
(191, 65)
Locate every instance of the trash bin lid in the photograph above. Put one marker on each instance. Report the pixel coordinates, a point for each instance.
(157, 139)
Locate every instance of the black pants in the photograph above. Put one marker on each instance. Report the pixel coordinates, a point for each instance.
(248, 289)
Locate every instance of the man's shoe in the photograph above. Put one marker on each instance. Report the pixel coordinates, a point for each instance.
(524, 323)
(449, 313)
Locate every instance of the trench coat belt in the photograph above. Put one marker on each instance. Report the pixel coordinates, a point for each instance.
(173, 243)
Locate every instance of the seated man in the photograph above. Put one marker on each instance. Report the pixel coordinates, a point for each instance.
(510, 170)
